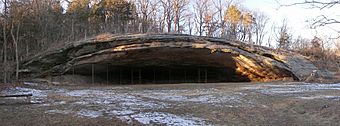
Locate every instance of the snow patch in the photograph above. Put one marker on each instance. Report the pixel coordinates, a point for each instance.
(121, 112)
(59, 103)
(84, 93)
(321, 97)
(34, 92)
(89, 113)
(293, 88)
(57, 111)
(167, 119)
(30, 83)
(206, 96)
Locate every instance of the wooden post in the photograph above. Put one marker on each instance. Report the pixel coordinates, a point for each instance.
(92, 73)
(140, 76)
(169, 76)
(120, 76)
(107, 73)
(154, 76)
(199, 75)
(132, 76)
(206, 75)
(185, 76)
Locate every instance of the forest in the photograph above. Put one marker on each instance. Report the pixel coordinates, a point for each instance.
(29, 27)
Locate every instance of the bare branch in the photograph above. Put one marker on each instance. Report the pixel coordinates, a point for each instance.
(314, 4)
(322, 20)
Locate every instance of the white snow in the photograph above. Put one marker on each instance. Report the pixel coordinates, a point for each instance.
(321, 97)
(293, 88)
(135, 105)
(89, 113)
(123, 100)
(34, 92)
(30, 83)
(167, 119)
(121, 112)
(84, 93)
(206, 96)
(59, 103)
(57, 111)
(37, 95)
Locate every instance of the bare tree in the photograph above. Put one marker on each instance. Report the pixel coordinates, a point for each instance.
(210, 24)
(190, 23)
(15, 38)
(300, 44)
(168, 17)
(4, 24)
(178, 7)
(337, 51)
(145, 9)
(246, 27)
(4, 51)
(261, 21)
(283, 36)
(221, 6)
(201, 7)
(18, 12)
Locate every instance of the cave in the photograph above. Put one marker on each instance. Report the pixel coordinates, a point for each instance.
(165, 59)
(162, 66)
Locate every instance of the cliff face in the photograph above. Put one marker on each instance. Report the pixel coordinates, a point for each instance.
(168, 58)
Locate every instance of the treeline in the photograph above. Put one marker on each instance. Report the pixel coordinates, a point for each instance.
(32, 26)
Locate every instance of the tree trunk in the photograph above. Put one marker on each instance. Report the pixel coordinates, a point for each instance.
(15, 41)
(5, 42)
(169, 22)
(5, 53)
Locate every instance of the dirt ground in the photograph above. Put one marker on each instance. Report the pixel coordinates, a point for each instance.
(293, 103)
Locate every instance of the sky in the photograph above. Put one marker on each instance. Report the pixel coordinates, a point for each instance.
(296, 16)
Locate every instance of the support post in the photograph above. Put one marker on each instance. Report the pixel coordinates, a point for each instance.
(92, 73)
(140, 76)
(107, 74)
(154, 76)
(169, 76)
(199, 75)
(120, 75)
(206, 75)
(132, 76)
(185, 76)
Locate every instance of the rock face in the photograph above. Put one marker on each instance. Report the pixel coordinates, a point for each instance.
(168, 58)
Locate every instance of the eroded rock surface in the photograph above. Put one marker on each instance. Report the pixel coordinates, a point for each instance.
(152, 57)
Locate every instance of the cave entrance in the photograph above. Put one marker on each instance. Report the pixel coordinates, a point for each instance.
(160, 74)
(161, 66)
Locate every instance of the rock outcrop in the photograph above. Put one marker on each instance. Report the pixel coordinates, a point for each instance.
(168, 56)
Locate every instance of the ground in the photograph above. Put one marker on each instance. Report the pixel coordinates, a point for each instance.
(290, 103)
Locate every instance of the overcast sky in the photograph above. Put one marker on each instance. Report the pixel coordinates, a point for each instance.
(296, 16)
